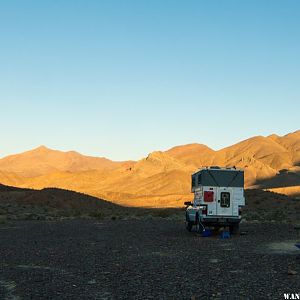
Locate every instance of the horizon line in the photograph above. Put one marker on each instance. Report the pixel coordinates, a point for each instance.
(180, 145)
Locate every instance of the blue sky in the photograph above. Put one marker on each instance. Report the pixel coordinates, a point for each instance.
(123, 78)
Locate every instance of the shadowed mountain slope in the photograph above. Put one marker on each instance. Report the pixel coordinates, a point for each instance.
(51, 198)
(53, 204)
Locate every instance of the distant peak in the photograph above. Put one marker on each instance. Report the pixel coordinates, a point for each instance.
(158, 156)
(41, 148)
(273, 136)
(192, 146)
(155, 154)
(295, 132)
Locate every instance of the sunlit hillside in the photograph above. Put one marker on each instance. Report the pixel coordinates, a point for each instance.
(162, 178)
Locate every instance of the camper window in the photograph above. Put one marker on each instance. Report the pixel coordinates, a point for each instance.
(199, 179)
(193, 181)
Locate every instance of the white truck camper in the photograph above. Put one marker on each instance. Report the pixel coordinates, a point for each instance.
(218, 198)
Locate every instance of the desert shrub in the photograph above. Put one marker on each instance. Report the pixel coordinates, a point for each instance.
(161, 213)
(97, 214)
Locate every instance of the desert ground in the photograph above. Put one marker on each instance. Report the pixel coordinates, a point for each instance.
(149, 258)
(58, 244)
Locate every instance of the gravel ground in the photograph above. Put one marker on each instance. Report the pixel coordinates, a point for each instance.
(145, 259)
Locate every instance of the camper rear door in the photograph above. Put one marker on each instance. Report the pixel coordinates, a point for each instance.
(225, 203)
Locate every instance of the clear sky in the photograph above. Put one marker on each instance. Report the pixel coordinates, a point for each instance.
(123, 78)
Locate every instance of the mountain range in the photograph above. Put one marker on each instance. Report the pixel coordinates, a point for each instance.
(163, 177)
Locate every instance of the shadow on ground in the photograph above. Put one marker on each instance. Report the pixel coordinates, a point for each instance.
(284, 178)
(56, 204)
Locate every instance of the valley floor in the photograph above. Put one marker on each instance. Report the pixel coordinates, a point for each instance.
(145, 259)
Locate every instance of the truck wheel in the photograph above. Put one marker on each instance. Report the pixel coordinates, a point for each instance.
(234, 229)
(188, 223)
(199, 226)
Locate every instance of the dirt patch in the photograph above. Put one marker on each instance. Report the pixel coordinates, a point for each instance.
(9, 289)
(284, 247)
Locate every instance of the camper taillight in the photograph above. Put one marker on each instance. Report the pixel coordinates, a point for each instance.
(204, 210)
(208, 196)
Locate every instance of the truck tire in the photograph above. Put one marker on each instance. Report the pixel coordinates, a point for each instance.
(199, 226)
(234, 229)
(189, 226)
(188, 223)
